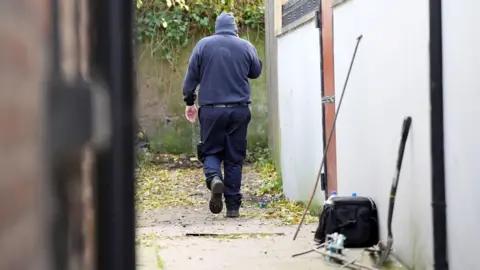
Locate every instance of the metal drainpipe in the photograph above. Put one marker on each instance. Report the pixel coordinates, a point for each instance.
(437, 138)
(112, 61)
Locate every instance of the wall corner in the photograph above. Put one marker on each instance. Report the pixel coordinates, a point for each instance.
(273, 21)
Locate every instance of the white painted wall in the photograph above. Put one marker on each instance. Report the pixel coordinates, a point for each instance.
(461, 43)
(389, 81)
(300, 113)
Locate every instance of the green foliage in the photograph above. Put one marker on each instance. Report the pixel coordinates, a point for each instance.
(265, 165)
(179, 137)
(168, 26)
(143, 157)
(315, 208)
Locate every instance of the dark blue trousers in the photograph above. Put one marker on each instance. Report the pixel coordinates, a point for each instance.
(223, 138)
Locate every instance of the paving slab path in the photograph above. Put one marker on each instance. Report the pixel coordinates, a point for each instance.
(173, 204)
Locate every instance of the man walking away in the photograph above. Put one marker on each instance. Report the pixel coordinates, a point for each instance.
(222, 64)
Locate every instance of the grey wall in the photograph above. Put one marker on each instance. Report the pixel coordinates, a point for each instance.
(390, 80)
(461, 43)
(300, 109)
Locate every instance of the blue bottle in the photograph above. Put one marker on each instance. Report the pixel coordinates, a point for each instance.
(354, 194)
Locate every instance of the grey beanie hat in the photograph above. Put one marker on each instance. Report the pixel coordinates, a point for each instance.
(226, 23)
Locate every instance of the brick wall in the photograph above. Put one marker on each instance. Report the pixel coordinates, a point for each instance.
(26, 204)
(23, 242)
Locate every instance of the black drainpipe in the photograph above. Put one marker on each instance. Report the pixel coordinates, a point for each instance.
(112, 64)
(437, 138)
(318, 22)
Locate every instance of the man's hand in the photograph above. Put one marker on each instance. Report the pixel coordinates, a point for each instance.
(191, 113)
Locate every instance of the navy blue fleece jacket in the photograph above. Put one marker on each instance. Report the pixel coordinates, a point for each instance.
(221, 64)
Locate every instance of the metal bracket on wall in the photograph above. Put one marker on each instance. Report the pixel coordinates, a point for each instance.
(78, 112)
(328, 100)
(318, 19)
(70, 110)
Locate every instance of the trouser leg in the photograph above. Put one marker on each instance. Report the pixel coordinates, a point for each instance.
(212, 168)
(233, 184)
(235, 152)
(210, 150)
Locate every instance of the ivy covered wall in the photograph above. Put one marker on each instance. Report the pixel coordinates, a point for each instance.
(166, 34)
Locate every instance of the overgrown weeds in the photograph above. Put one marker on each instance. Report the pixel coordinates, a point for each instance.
(167, 26)
(265, 166)
(166, 181)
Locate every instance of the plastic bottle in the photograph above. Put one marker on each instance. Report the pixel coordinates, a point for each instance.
(329, 200)
(354, 194)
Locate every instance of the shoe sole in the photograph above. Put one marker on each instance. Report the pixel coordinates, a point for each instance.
(216, 204)
(233, 216)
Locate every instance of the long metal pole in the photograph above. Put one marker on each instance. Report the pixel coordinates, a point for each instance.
(439, 200)
(359, 38)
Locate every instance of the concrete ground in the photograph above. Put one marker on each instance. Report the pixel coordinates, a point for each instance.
(242, 244)
(260, 239)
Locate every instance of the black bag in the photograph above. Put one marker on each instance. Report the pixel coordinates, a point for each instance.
(355, 217)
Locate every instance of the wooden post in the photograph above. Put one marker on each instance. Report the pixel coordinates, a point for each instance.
(277, 5)
(329, 90)
(74, 25)
(273, 23)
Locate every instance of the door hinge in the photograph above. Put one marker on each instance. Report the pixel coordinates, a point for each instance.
(328, 100)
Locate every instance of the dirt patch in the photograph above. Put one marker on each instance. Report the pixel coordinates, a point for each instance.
(174, 184)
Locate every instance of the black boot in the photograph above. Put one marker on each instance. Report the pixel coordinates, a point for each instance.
(216, 187)
(233, 213)
(233, 204)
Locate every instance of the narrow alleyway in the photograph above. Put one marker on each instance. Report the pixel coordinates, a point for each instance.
(172, 203)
